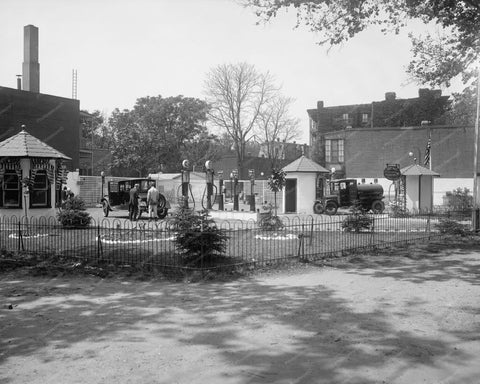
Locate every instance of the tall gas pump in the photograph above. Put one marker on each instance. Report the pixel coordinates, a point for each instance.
(220, 186)
(251, 175)
(234, 177)
(209, 172)
(185, 182)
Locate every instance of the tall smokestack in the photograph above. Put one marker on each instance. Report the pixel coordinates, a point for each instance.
(31, 67)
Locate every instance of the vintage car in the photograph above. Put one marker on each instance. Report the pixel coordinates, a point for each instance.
(346, 193)
(119, 195)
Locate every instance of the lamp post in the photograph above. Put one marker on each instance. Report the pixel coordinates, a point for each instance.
(251, 175)
(103, 182)
(416, 160)
(220, 186)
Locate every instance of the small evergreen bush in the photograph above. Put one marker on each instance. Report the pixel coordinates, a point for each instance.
(398, 210)
(197, 235)
(357, 220)
(451, 227)
(74, 213)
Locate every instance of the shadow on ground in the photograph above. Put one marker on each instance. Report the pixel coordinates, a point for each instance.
(263, 330)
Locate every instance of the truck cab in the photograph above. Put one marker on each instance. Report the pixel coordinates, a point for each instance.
(346, 193)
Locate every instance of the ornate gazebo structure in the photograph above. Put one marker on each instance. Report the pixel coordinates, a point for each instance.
(31, 176)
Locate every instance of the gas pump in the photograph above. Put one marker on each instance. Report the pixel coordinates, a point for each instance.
(185, 182)
(251, 174)
(220, 186)
(234, 176)
(209, 172)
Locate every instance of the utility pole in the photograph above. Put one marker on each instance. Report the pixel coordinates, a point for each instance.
(476, 197)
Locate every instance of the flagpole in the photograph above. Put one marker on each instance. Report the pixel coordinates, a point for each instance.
(430, 140)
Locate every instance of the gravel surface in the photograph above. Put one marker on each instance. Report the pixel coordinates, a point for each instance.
(404, 316)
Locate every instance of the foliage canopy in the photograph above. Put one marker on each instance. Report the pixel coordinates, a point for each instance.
(436, 58)
(157, 131)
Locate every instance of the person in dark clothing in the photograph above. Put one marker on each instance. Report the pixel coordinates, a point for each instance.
(64, 194)
(133, 203)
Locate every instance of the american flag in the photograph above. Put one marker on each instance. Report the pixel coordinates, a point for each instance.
(426, 160)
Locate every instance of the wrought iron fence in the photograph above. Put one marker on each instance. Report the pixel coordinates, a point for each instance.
(152, 244)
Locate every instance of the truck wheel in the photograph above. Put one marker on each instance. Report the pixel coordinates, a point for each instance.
(318, 208)
(331, 208)
(378, 206)
(162, 201)
(105, 208)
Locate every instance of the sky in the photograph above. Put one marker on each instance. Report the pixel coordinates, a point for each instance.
(123, 50)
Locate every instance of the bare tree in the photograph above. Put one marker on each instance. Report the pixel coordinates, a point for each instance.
(237, 93)
(275, 125)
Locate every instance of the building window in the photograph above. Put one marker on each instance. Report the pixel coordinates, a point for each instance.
(334, 151)
(11, 190)
(364, 117)
(40, 192)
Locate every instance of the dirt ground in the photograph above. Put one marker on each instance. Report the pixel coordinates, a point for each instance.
(406, 316)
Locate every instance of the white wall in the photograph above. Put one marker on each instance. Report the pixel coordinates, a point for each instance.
(305, 192)
(440, 187)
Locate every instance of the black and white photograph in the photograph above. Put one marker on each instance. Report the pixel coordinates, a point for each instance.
(240, 191)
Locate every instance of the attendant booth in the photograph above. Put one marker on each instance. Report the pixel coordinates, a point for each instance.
(418, 182)
(304, 184)
(31, 176)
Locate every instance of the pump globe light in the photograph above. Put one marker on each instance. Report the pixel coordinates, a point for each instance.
(208, 164)
(185, 163)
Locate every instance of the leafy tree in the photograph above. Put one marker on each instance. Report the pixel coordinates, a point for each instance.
(94, 130)
(462, 110)
(276, 182)
(237, 94)
(153, 135)
(436, 59)
(202, 148)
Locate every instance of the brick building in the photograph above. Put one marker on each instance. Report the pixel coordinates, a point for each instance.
(52, 119)
(359, 140)
(330, 125)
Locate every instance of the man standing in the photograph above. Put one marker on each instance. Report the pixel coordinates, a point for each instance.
(133, 203)
(152, 200)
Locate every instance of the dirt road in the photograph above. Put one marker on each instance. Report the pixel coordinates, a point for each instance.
(410, 317)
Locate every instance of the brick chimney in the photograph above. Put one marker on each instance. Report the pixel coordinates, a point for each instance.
(31, 66)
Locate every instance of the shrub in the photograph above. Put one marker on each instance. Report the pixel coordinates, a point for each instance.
(73, 213)
(197, 235)
(458, 199)
(398, 210)
(452, 227)
(268, 221)
(357, 220)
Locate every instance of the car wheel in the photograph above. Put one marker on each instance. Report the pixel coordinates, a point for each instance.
(331, 208)
(378, 206)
